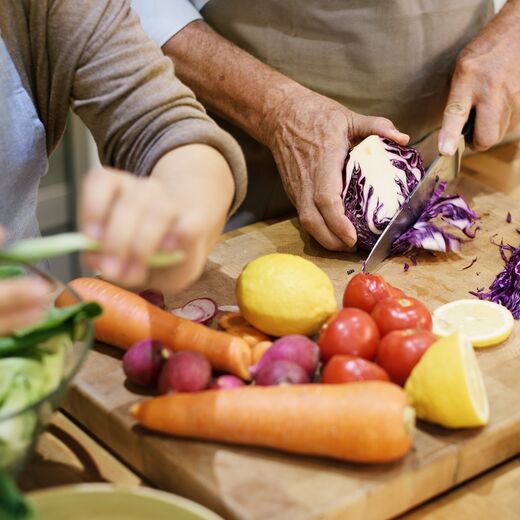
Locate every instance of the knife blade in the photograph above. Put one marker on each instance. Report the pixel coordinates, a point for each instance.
(443, 168)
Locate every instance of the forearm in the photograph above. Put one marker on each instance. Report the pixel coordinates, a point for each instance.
(241, 88)
(199, 177)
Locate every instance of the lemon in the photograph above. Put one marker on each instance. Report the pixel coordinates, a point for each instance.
(446, 386)
(284, 294)
(485, 323)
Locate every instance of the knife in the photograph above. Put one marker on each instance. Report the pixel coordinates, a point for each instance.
(443, 168)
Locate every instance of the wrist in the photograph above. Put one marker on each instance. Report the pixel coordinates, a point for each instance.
(276, 107)
(198, 177)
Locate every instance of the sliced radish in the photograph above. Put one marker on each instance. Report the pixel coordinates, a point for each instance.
(200, 310)
(228, 308)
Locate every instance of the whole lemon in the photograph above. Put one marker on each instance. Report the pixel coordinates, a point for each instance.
(284, 294)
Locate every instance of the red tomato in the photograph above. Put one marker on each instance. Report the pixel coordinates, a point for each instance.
(349, 331)
(364, 291)
(401, 313)
(348, 369)
(400, 350)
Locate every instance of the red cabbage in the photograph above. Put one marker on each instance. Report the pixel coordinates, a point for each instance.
(505, 289)
(453, 210)
(378, 177)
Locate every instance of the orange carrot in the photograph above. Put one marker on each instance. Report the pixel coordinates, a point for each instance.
(249, 334)
(232, 319)
(367, 421)
(128, 318)
(260, 349)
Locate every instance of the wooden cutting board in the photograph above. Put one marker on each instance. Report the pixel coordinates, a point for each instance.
(249, 483)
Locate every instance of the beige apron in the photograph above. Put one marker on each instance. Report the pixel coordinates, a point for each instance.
(389, 58)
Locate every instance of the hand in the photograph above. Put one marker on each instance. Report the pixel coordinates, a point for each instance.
(487, 77)
(22, 300)
(310, 139)
(183, 205)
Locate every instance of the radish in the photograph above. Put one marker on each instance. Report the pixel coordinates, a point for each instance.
(185, 371)
(296, 348)
(281, 372)
(154, 297)
(200, 310)
(226, 382)
(143, 361)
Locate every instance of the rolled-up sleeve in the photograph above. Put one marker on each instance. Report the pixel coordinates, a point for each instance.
(162, 19)
(126, 92)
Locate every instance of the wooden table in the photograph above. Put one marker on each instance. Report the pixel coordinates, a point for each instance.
(67, 454)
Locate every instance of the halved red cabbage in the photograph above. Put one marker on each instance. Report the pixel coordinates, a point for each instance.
(505, 289)
(378, 177)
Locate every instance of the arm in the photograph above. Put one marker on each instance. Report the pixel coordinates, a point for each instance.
(487, 77)
(308, 134)
(173, 209)
(145, 121)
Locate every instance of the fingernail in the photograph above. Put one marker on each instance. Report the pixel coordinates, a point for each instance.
(94, 231)
(447, 147)
(110, 266)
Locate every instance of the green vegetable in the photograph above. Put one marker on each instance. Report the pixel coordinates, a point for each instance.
(34, 249)
(12, 504)
(56, 321)
(11, 271)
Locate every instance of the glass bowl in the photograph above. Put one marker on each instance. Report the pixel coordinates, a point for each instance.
(19, 428)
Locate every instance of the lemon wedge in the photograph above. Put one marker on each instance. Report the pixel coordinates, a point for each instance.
(446, 386)
(484, 323)
(284, 294)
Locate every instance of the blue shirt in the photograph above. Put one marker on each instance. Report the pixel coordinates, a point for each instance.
(23, 154)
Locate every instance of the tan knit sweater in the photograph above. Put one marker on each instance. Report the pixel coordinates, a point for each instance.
(94, 57)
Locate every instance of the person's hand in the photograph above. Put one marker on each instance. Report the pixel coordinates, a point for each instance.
(22, 300)
(181, 206)
(310, 137)
(487, 77)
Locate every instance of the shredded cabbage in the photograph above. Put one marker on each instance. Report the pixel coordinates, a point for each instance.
(505, 289)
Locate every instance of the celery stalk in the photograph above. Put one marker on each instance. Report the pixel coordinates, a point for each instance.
(35, 249)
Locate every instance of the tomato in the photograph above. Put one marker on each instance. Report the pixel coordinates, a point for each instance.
(349, 331)
(364, 291)
(348, 369)
(401, 313)
(400, 350)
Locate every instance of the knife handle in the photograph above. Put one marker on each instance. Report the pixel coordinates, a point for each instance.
(469, 127)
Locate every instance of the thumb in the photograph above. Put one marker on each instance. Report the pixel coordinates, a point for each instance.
(371, 125)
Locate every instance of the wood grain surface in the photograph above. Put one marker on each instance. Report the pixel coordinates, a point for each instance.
(254, 483)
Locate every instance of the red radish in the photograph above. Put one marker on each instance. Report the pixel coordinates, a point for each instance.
(185, 371)
(143, 362)
(200, 310)
(281, 372)
(226, 382)
(154, 297)
(296, 348)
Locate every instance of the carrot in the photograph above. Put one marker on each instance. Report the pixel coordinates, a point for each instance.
(128, 318)
(249, 334)
(367, 421)
(232, 319)
(260, 349)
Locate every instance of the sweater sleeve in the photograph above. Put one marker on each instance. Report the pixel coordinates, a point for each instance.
(127, 94)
